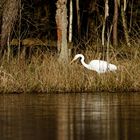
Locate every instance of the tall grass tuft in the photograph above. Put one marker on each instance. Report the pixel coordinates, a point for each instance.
(47, 75)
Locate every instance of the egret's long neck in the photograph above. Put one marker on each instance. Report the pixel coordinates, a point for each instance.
(83, 62)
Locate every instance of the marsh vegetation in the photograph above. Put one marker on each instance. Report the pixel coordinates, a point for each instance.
(43, 73)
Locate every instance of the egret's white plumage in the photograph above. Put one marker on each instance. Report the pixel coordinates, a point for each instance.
(99, 66)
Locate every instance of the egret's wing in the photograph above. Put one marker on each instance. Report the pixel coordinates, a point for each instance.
(99, 65)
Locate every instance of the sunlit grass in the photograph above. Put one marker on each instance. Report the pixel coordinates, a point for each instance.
(47, 75)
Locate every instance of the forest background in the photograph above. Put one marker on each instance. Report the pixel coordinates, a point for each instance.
(39, 37)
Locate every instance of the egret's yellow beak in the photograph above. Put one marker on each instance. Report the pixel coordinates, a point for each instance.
(71, 61)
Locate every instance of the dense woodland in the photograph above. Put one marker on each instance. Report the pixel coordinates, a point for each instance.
(30, 22)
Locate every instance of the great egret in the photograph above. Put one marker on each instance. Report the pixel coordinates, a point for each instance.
(99, 66)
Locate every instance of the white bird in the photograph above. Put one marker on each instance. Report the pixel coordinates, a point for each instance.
(99, 66)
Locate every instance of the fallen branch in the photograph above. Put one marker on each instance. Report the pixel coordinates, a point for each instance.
(30, 42)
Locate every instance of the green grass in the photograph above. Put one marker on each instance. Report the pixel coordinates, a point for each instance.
(47, 75)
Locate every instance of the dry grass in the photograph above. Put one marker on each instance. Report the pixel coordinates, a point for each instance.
(47, 75)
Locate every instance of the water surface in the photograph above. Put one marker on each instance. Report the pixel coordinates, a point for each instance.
(99, 116)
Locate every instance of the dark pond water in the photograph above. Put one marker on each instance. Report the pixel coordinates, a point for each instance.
(70, 116)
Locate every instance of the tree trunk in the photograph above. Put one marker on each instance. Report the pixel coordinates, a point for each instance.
(115, 23)
(78, 17)
(70, 27)
(70, 21)
(124, 22)
(10, 12)
(104, 22)
(61, 22)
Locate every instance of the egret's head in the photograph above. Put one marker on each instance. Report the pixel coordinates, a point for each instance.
(76, 57)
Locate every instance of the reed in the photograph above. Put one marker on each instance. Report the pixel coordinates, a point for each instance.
(47, 75)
